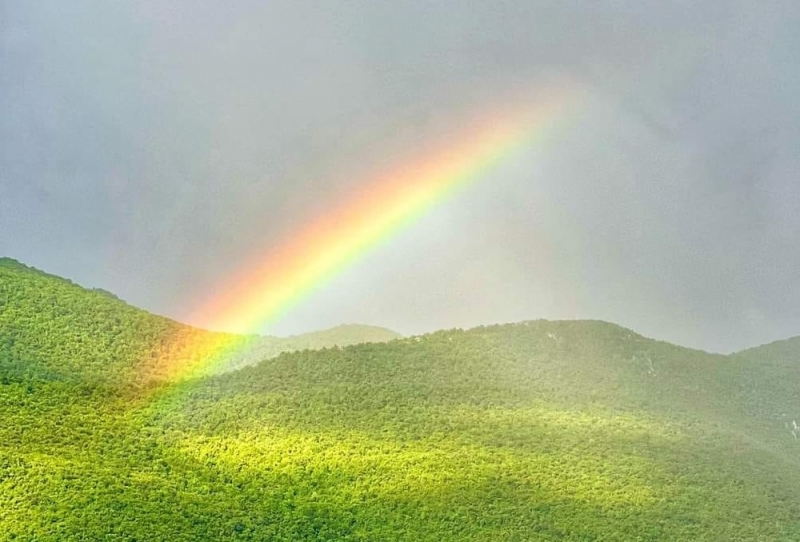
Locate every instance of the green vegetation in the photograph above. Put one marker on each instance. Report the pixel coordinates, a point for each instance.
(532, 431)
(52, 329)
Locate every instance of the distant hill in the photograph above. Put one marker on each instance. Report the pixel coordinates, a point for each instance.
(259, 348)
(342, 335)
(571, 430)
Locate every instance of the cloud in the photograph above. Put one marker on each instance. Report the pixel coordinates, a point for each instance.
(150, 149)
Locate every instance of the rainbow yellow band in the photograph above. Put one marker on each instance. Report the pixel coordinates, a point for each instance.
(276, 282)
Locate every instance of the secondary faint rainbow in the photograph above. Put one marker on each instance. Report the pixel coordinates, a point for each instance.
(278, 280)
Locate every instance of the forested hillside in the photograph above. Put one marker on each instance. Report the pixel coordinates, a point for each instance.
(53, 329)
(767, 382)
(533, 431)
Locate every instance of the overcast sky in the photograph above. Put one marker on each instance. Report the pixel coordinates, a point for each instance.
(151, 150)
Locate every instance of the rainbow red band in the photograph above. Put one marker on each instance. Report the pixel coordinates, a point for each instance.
(271, 286)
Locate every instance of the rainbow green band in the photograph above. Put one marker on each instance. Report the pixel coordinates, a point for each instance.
(271, 286)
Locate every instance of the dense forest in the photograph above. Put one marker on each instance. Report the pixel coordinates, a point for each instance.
(571, 430)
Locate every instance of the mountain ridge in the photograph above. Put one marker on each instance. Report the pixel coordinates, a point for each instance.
(789, 344)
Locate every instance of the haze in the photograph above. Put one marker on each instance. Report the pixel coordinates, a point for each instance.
(152, 150)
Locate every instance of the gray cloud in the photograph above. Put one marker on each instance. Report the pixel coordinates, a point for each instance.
(151, 148)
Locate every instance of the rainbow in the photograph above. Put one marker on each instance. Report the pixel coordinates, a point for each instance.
(272, 284)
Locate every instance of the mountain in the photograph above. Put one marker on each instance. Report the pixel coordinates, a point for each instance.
(573, 430)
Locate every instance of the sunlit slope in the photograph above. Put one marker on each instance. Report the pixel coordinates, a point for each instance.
(573, 364)
(534, 431)
(53, 329)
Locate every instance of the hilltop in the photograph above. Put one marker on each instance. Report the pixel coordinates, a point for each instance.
(539, 430)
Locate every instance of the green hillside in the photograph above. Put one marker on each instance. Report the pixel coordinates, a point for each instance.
(768, 383)
(53, 329)
(541, 430)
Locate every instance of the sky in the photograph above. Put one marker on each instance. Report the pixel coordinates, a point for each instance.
(153, 148)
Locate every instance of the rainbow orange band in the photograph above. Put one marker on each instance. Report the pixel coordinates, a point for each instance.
(272, 285)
